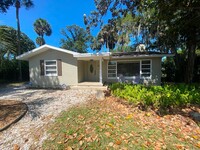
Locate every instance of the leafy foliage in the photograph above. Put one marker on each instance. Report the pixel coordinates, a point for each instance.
(8, 42)
(76, 39)
(8, 51)
(4, 5)
(40, 41)
(42, 27)
(168, 96)
(163, 26)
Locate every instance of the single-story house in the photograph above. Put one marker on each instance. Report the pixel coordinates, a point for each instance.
(52, 66)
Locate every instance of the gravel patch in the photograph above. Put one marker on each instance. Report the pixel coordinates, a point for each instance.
(44, 106)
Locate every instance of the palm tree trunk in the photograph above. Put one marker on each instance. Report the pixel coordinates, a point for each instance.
(17, 5)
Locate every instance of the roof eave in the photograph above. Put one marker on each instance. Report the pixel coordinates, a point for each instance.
(89, 56)
(143, 56)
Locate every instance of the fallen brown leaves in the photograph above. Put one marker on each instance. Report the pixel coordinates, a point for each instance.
(113, 124)
(10, 111)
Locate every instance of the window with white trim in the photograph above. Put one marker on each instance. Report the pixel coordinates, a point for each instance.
(112, 69)
(131, 69)
(50, 68)
(146, 68)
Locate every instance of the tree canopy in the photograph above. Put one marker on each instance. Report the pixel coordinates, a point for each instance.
(4, 6)
(161, 25)
(8, 42)
(9, 70)
(75, 39)
(42, 27)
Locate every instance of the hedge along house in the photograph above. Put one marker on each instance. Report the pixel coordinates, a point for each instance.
(52, 67)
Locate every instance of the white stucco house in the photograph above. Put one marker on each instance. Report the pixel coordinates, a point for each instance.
(51, 66)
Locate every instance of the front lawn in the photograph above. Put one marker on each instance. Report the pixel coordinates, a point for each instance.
(113, 124)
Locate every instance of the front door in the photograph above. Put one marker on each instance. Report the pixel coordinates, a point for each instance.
(93, 71)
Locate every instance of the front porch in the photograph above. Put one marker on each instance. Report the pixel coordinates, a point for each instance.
(90, 69)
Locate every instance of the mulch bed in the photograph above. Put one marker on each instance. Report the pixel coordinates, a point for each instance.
(11, 111)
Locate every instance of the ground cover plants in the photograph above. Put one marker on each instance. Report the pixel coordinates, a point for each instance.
(115, 124)
(160, 97)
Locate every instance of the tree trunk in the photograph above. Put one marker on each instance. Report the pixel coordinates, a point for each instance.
(191, 47)
(17, 5)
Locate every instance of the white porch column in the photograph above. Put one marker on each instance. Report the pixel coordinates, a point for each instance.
(100, 71)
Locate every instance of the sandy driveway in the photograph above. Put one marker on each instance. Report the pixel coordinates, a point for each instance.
(44, 106)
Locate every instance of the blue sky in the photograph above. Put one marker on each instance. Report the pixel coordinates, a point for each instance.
(59, 14)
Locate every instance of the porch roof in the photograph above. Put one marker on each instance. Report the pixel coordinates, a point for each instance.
(89, 56)
(139, 55)
(120, 55)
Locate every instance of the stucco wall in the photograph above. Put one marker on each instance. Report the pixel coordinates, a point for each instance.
(81, 68)
(156, 69)
(69, 69)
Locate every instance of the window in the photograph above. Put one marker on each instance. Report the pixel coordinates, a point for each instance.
(112, 69)
(141, 68)
(50, 67)
(128, 69)
(145, 68)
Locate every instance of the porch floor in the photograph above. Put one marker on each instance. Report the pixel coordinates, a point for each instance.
(89, 85)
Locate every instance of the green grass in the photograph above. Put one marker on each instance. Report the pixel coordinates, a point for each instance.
(111, 125)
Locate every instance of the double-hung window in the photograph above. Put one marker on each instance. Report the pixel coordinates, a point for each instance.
(146, 68)
(112, 69)
(50, 68)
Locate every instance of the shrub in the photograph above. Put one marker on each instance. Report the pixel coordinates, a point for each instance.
(168, 96)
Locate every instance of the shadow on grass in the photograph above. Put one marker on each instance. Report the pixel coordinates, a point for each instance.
(193, 112)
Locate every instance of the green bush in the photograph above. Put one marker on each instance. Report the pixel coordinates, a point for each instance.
(168, 96)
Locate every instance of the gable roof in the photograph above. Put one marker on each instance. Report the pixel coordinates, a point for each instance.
(88, 56)
(41, 49)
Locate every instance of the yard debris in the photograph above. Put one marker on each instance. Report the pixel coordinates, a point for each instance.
(16, 147)
(111, 124)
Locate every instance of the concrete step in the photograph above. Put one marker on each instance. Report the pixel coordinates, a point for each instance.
(92, 87)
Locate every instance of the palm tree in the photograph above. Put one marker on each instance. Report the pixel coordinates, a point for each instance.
(8, 43)
(27, 4)
(42, 27)
(40, 41)
(4, 6)
(108, 36)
